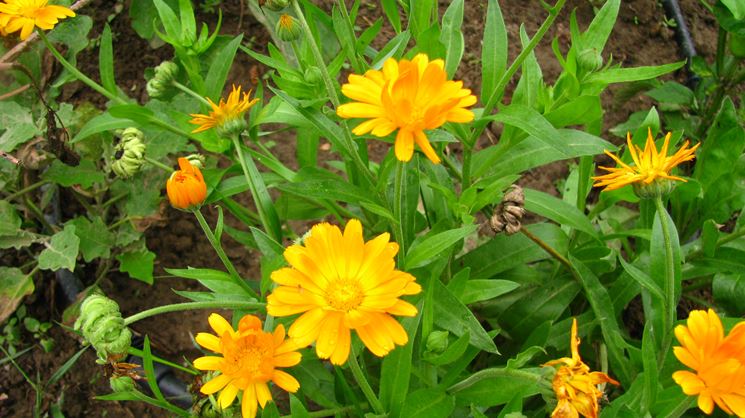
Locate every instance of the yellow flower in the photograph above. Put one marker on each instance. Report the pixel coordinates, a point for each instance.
(649, 165)
(250, 358)
(23, 15)
(410, 96)
(186, 187)
(719, 362)
(342, 283)
(227, 113)
(575, 385)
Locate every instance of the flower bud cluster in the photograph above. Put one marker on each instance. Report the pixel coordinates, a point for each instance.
(130, 153)
(103, 327)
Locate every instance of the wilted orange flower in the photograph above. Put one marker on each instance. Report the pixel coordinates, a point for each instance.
(342, 283)
(186, 187)
(250, 359)
(575, 385)
(719, 362)
(24, 15)
(225, 113)
(411, 96)
(649, 165)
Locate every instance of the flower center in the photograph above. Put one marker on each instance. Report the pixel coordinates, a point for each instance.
(250, 357)
(344, 294)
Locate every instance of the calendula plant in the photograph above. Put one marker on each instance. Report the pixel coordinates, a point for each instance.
(379, 293)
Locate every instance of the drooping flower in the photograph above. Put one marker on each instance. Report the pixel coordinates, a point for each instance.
(411, 96)
(341, 283)
(251, 358)
(718, 361)
(186, 187)
(650, 167)
(227, 116)
(24, 15)
(575, 385)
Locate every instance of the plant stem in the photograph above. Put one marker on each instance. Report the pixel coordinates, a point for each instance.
(731, 237)
(190, 306)
(114, 199)
(398, 210)
(26, 189)
(191, 93)
(160, 165)
(354, 366)
(560, 258)
(466, 171)
(492, 373)
(221, 253)
(671, 303)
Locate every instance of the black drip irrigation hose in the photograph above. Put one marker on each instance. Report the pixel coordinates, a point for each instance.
(683, 36)
(69, 287)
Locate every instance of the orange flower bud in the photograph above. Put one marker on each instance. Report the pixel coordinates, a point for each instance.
(186, 187)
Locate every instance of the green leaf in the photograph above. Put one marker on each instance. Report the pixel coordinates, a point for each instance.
(395, 372)
(557, 210)
(657, 264)
(493, 387)
(625, 75)
(390, 8)
(138, 264)
(106, 61)
(218, 72)
(95, 238)
(101, 123)
(14, 285)
(215, 280)
(84, 174)
(672, 92)
(643, 279)
(736, 7)
(452, 315)
(73, 33)
(601, 26)
(452, 37)
(428, 403)
(452, 353)
(729, 292)
(493, 50)
(11, 234)
(651, 373)
(61, 251)
(533, 123)
(297, 409)
(426, 250)
(481, 290)
(17, 125)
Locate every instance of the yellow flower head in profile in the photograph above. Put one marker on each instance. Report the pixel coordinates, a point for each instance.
(575, 385)
(649, 165)
(227, 116)
(341, 283)
(718, 361)
(411, 96)
(24, 15)
(250, 359)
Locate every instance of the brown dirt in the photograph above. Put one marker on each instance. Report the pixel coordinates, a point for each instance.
(639, 38)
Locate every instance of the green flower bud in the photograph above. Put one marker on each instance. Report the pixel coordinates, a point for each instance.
(313, 75)
(231, 127)
(197, 160)
(659, 187)
(274, 5)
(165, 73)
(590, 60)
(129, 153)
(437, 341)
(103, 327)
(122, 384)
(288, 28)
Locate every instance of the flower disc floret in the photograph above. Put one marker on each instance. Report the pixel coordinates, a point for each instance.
(650, 166)
(251, 358)
(341, 283)
(227, 115)
(186, 187)
(718, 362)
(408, 96)
(24, 15)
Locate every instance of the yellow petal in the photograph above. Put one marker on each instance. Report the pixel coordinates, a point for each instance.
(208, 363)
(285, 381)
(217, 383)
(227, 396)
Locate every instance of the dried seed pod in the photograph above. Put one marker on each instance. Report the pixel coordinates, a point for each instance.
(508, 215)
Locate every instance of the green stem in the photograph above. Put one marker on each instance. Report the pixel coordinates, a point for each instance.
(490, 374)
(466, 172)
(38, 214)
(191, 93)
(190, 306)
(498, 93)
(77, 73)
(669, 280)
(375, 403)
(160, 165)
(253, 177)
(399, 204)
(120, 222)
(26, 189)
(115, 199)
(221, 253)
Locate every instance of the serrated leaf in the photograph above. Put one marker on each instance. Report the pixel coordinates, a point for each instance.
(84, 174)
(14, 285)
(138, 264)
(95, 238)
(17, 125)
(61, 251)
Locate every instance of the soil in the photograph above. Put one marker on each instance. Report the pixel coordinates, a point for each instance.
(639, 38)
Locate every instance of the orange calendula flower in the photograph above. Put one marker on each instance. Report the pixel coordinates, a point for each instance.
(227, 116)
(575, 385)
(24, 15)
(649, 165)
(341, 283)
(411, 96)
(718, 361)
(250, 359)
(186, 187)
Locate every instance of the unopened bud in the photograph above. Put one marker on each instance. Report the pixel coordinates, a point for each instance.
(508, 215)
(288, 28)
(658, 188)
(590, 60)
(165, 73)
(103, 327)
(274, 5)
(197, 160)
(313, 75)
(122, 384)
(437, 341)
(129, 153)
